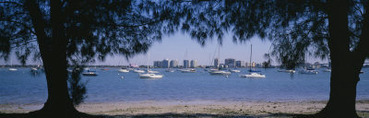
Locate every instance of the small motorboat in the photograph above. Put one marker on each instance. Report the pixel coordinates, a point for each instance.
(188, 70)
(138, 71)
(89, 73)
(234, 71)
(253, 75)
(219, 72)
(12, 69)
(123, 70)
(150, 76)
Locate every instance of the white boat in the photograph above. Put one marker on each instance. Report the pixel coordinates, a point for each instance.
(253, 75)
(123, 70)
(138, 71)
(309, 71)
(12, 69)
(150, 73)
(188, 70)
(89, 73)
(287, 71)
(234, 71)
(150, 76)
(219, 72)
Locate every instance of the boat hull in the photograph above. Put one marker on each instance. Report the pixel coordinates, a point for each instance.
(150, 76)
(253, 75)
(89, 74)
(123, 71)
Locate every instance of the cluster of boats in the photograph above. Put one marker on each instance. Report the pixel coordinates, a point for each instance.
(151, 74)
(148, 74)
(310, 71)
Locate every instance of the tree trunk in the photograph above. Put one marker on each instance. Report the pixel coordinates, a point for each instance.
(53, 53)
(58, 102)
(344, 75)
(342, 95)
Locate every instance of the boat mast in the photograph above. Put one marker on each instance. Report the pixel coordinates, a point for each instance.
(250, 58)
(218, 56)
(148, 62)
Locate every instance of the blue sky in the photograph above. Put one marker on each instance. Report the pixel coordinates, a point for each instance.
(175, 47)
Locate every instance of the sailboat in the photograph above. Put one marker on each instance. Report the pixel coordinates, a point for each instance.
(150, 74)
(11, 66)
(185, 69)
(253, 73)
(217, 71)
(252, 70)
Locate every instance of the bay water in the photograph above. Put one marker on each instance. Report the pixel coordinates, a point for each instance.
(20, 87)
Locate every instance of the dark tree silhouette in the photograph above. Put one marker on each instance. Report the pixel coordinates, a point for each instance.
(63, 32)
(77, 87)
(337, 29)
(82, 30)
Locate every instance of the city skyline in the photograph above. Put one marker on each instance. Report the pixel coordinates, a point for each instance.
(181, 47)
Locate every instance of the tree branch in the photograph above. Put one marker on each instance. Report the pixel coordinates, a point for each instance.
(8, 2)
(22, 44)
(138, 25)
(39, 24)
(20, 23)
(361, 51)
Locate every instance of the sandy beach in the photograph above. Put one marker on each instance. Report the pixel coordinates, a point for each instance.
(228, 108)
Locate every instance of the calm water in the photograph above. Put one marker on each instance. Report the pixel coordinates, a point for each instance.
(20, 87)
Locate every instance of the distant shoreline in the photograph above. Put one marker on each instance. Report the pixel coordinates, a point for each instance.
(255, 108)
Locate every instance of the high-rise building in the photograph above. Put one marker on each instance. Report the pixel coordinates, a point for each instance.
(173, 63)
(186, 63)
(240, 64)
(216, 62)
(157, 63)
(165, 63)
(231, 63)
(193, 63)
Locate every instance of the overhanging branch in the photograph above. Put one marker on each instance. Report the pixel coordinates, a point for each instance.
(362, 51)
(9, 2)
(20, 23)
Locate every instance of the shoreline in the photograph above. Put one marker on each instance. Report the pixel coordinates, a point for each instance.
(255, 108)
